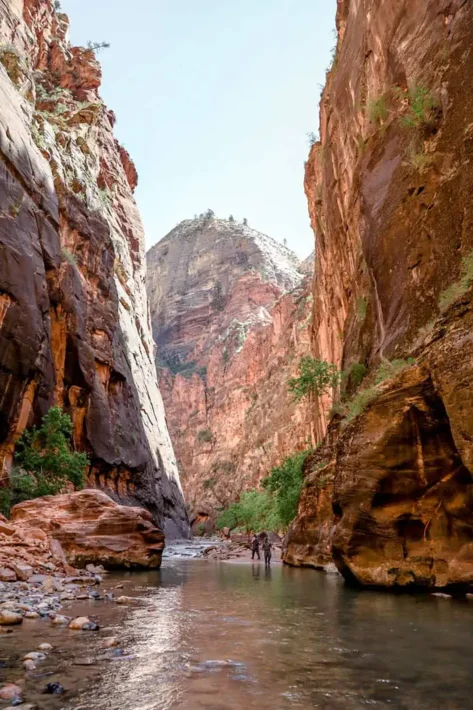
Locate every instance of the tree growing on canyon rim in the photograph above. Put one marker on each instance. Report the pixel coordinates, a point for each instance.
(44, 461)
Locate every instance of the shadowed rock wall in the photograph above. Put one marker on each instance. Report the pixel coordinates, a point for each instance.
(389, 492)
(73, 310)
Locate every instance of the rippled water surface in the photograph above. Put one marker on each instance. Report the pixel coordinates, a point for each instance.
(228, 636)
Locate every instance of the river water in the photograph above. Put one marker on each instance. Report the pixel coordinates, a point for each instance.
(227, 636)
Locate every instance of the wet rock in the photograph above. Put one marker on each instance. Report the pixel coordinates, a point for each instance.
(10, 618)
(54, 689)
(45, 647)
(88, 661)
(7, 575)
(124, 600)
(35, 656)
(10, 691)
(83, 623)
(29, 665)
(441, 595)
(59, 620)
(95, 569)
(110, 642)
(31, 615)
(27, 706)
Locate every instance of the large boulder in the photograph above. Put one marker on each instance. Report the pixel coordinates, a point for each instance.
(92, 528)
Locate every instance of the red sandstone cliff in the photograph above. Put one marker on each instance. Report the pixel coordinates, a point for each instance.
(73, 311)
(230, 312)
(389, 492)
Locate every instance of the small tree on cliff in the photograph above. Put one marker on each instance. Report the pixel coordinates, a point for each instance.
(316, 377)
(97, 46)
(46, 459)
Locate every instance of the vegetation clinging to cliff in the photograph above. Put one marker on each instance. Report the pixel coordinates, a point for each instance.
(44, 461)
(273, 508)
(316, 377)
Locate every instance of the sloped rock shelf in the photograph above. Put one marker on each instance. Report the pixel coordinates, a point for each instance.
(199, 635)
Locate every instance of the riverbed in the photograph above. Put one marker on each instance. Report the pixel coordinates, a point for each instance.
(226, 636)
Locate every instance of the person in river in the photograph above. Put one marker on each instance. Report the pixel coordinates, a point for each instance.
(267, 547)
(255, 547)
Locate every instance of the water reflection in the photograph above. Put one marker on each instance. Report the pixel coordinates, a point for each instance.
(231, 636)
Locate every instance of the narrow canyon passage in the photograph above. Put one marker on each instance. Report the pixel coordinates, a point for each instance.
(227, 636)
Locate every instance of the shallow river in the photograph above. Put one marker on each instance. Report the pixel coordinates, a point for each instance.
(228, 636)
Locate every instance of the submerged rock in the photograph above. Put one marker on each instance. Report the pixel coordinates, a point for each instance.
(54, 689)
(10, 691)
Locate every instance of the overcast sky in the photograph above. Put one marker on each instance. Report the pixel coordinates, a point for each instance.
(214, 99)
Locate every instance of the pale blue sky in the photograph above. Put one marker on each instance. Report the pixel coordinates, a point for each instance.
(214, 99)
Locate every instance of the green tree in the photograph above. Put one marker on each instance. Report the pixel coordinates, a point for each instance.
(46, 459)
(285, 483)
(254, 511)
(316, 377)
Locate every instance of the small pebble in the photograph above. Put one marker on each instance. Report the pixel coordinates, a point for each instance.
(45, 647)
(29, 665)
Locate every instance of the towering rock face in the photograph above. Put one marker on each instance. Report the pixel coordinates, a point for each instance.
(389, 493)
(230, 312)
(73, 310)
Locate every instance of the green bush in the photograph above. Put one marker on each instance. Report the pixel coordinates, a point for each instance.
(272, 508)
(458, 288)
(254, 511)
(421, 106)
(44, 462)
(378, 110)
(361, 308)
(285, 482)
(356, 374)
(316, 377)
(388, 369)
(359, 402)
(204, 435)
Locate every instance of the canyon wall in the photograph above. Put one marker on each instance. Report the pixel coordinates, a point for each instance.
(74, 326)
(388, 493)
(230, 310)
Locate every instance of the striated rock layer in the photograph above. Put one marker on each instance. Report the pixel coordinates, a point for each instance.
(73, 311)
(389, 493)
(91, 528)
(230, 311)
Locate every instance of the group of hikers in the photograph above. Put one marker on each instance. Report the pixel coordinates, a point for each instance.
(267, 547)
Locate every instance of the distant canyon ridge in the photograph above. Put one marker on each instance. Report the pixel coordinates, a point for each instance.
(230, 314)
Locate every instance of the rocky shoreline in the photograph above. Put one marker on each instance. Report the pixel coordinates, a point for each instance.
(42, 598)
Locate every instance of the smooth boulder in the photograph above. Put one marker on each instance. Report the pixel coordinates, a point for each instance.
(93, 529)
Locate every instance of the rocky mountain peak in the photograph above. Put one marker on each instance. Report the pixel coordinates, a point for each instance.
(208, 272)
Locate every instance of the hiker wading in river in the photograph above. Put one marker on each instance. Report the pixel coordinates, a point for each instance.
(267, 547)
(255, 547)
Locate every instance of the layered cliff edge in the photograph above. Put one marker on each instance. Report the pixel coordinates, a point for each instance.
(230, 310)
(74, 324)
(388, 493)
